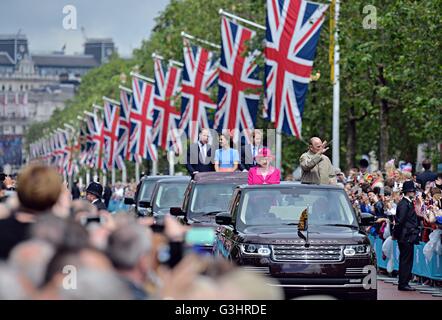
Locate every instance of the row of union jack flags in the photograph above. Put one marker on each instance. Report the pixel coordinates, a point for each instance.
(147, 115)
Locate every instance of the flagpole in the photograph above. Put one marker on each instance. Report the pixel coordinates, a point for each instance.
(232, 16)
(125, 88)
(190, 37)
(88, 177)
(278, 149)
(336, 97)
(111, 100)
(113, 176)
(137, 75)
(154, 167)
(171, 162)
(124, 174)
(137, 171)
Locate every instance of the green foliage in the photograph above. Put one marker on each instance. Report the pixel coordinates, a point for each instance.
(406, 44)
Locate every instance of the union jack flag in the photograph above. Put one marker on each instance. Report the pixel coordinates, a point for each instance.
(87, 155)
(95, 127)
(167, 119)
(293, 28)
(238, 80)
(68, 151)
(124, 129)
(200, 73)
(110, 128)
(60, 143)
(83, 144)
(141, 119)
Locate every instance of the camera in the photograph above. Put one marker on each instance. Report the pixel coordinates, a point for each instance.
(87, 220)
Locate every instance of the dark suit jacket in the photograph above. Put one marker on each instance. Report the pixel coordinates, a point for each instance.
(194, 161)
(406, 229)
(100, 205)
(247, 160)
(424, 177)
(75, 192)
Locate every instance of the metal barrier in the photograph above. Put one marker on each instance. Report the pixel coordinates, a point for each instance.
(431, 269)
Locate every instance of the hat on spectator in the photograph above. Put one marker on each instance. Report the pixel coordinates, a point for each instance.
(408, 186)
(265, 153)
(95, 188)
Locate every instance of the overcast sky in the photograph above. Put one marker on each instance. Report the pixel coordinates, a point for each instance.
(126, 21)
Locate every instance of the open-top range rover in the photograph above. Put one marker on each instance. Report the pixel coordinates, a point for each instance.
(308, 237)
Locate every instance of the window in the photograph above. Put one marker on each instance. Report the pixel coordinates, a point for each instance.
(211, 197)
(285, 205)
(170, 195)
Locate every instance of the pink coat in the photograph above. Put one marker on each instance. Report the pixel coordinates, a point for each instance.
(256, 178)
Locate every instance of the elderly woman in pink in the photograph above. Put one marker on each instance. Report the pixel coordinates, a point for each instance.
(264, 173)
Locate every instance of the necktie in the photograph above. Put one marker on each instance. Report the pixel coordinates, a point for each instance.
(253, 155)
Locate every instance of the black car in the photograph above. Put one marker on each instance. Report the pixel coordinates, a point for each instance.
(208, 194)
(167, 193)
(143, 194)
(330, 253)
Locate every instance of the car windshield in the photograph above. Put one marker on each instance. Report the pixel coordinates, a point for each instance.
(285, 205)
(208, 198)
(146, 190)
(170, 195)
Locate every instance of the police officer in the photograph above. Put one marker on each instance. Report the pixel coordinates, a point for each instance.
(406, 232)
(94, 192)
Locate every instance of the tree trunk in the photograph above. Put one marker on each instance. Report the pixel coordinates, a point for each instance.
(351, 138)
(384, 137)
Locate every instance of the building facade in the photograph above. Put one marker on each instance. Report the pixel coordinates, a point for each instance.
(32, 86)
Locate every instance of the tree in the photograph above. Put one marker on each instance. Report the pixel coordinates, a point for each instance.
(390, 76)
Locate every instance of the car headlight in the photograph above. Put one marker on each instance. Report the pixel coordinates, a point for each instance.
(255, 249)
(356, 250)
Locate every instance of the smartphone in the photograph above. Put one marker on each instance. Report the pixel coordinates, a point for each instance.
(157, 227)
(87, 220)
(200, 236)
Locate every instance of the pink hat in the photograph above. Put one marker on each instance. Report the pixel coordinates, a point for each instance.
(265, 152)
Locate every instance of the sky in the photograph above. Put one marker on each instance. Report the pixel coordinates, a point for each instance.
(127, 22)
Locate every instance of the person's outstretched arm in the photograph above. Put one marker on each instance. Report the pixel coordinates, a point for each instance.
(307, 163)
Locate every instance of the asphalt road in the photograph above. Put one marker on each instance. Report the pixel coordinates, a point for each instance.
(389, 291)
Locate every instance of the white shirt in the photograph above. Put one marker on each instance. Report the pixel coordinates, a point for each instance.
(411, 201)
(254, 150)
(203, 150)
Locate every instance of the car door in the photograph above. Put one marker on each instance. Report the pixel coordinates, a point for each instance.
(230, 236)
(185, 206)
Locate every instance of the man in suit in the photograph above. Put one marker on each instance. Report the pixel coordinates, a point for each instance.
(426, 176)
(406, 232)
(200, 154)
(94, 192)
(249, 151)
(75, 191)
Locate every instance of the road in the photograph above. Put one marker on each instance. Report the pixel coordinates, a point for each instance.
(389, 291)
